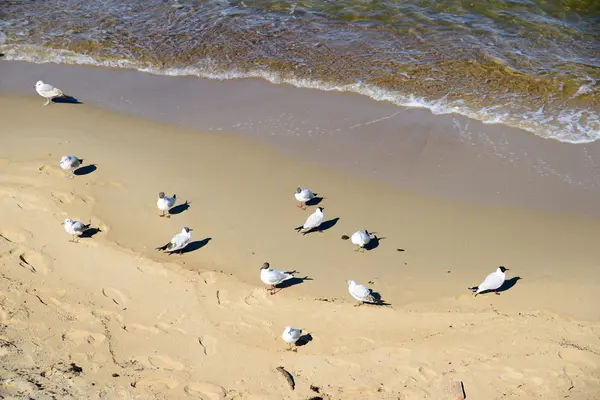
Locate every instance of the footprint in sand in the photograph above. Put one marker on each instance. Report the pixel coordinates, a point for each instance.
(155, 383)
(62, 197)
(116, 296)
(79, 337)
(209, 344)
(166, 362)
(168, 328)
(34, 262)
(578, 357)
(15, 237)
(208, 277)
(139, 328)
(258, 297)
(205, 391)
(3, 316)
(108, 315)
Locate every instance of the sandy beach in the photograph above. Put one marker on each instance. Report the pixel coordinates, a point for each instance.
(112, 318)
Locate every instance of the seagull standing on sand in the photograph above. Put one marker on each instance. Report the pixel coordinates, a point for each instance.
(312, 222)
(272, 277)
(492, 282)
(360, 239)
(361, 293)
(303, 195)
(290, 336)
(75, 229)
(70, 163)
(165, 203)
(49, 92)
(178, 242)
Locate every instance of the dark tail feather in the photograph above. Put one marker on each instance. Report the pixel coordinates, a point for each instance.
(80, 160)
(474, 288)
(298, 229)
(66, 96)
(175, 196)
(163, 247)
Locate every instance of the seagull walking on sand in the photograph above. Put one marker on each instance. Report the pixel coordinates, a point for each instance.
(492, 282)
(290, 336)
(165, 203)
(272, 277)
(70, 163)
(303, 195)
(75, 229)
(312, 222)
(361, 293)
(49, 92)
(178, 242)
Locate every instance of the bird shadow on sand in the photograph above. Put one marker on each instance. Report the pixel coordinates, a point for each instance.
(179, 208)
(304, 340)
(314, 201)
(88, 233)
(193, 246)
(292, 281)
(508, 284)
(373, 243)
(85, 170)
(323, 227)
(378, 300)
(66, 100)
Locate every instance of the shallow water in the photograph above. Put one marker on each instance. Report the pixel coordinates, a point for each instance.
(531, 64)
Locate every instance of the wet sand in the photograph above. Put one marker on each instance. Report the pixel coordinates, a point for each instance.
(201, 324)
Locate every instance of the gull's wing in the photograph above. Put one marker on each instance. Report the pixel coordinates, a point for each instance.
(295, 333)
(313, 221)
(492, 281)
(274, 276)
(361, 291)
(79, 227)
(49, 90)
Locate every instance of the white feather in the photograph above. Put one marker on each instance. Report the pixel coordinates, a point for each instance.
(304, 195)
(291, 335)
(273, 276)
(493, 281)
(360, 238)
(314, 220)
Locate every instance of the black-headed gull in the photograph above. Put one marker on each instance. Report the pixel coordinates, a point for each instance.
(361, 293)
(303, 195)
(178, 242)
(290, 336)
(492, 282)
(312, 222)
(360, 239)
(165, 203)
(75, 228)
(49, 92)
(273, 277)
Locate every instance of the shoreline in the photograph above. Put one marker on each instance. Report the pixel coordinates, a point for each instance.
(200, 325)
(442, 155)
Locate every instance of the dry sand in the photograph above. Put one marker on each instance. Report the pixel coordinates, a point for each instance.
(200, 325)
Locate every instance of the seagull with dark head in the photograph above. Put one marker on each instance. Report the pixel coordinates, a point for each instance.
(492, 282)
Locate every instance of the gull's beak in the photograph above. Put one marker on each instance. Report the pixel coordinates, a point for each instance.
(62, 223)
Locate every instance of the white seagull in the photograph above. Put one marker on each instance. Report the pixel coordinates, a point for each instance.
(272, 277)
(312, 222)
(178, 242)
(492, 282)
(49, 92)
(360, 239)
(70, 163)
(75, 228)
(303, 195)
(290, 336)
(165, 203)
(361, 293)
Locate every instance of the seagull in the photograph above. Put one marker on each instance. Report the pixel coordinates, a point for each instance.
(360, 239)
(165, 203)
(303, 195)
(272, 277)
(49, 92)
(70, 163)
(492, 282)
(290, 336)
(75, 228)
(312, 222)
(178, 242)
(361, 293)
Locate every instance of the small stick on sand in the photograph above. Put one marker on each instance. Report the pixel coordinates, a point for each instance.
(459, 390)
(288, 377)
